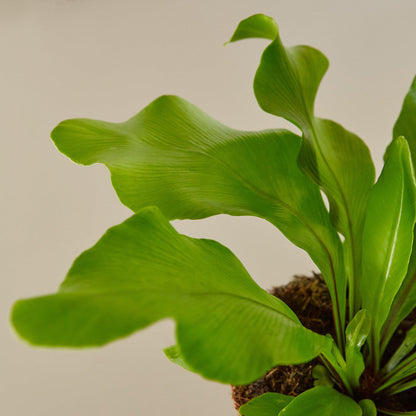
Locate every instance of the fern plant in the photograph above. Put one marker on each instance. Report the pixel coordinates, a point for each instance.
(173, 161)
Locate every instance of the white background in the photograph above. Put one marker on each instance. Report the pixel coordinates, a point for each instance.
(108, 59)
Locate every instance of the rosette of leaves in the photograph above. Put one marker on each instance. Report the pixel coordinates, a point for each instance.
(173, 161)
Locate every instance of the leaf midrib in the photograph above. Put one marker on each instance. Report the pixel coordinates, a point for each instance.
(130, 290)
(272, 198)
(290, 209)
(392, 245)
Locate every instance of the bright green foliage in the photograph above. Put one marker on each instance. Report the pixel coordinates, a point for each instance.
(285, 85)
(142, 271)
(388, 236)
(322, 401)
(368, 407)
(257, 26)
(268, 404)
(173, 161)
(287, 80)
(405, 300)
(175, 156)
(356, 334)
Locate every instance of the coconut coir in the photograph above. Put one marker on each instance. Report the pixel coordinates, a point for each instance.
(309, 298)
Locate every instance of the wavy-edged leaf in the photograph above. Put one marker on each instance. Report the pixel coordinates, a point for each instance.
(141, 271)
(176, 157)
(268, 404)
(322, 401)
(287, 79)
(256, 26)
(388, 235)
(285, 85)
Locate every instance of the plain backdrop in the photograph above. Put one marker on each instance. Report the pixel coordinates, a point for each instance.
(107, 60)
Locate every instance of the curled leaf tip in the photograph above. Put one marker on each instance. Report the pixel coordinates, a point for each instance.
(255, 26)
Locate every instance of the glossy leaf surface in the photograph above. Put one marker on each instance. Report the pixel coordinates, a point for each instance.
(388, 234)
(287, 79)
(268, 404)
(141, 271)
(176, 157)
(322, 401)
(285, 85)
(356, 334)
(405, 300)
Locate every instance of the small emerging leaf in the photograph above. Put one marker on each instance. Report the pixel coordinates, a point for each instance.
(368, 407)
(322, 376)
(356, 333)
(358, 329)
